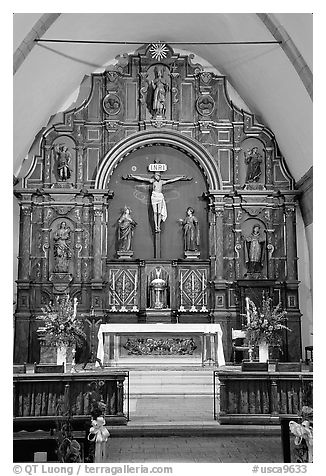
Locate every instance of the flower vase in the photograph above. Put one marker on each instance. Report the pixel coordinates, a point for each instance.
(65, 356)
(263, 351)
(62, 356)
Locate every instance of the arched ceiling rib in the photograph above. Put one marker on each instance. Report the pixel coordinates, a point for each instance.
(262, 75)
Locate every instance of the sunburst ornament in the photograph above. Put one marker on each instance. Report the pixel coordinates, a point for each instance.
(158, 51)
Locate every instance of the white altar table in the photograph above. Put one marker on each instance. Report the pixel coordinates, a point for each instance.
(164, 344)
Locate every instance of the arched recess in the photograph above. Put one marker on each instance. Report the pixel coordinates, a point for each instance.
(185, 144)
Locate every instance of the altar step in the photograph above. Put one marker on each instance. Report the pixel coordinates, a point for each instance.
(182, 383)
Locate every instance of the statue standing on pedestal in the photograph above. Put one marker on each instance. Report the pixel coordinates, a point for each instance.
(63, 158)
(126, 227)
(254, 251)
(190, 230)
(160, 88)
(62, 251)
(157, 197)
(253, 159)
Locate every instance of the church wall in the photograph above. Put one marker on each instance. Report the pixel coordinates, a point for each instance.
(305, 287)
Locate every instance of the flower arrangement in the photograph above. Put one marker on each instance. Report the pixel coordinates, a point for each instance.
(265, 324)
(68, 449)
(98, 432)
(61, 325)
(303, 433)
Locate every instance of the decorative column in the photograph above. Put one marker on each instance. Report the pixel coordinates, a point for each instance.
(291, 257)
(219, 213)
(97, 245)
(80, 152)
(269, 167)
(48, 212)
(47, 165)
(236, 175)
(175, 109)
(142, 292)
(86, 242)
(212, 236)
(270, 232)
(237, 237)
(78, 242)
(24, 245)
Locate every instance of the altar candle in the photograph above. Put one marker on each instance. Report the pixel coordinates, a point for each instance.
(113, 287)
(75, 307)
(192, 283)
(247, 308)
(181, 276)
(135, 289)
(203, 287)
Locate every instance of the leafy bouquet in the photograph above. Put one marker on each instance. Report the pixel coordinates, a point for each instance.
(265, 324)
(61, 325)
(303, 432)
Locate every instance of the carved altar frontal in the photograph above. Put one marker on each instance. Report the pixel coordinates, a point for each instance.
(155, 199)
(160, 344)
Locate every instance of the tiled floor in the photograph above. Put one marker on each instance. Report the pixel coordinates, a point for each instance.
(212, 449)
(184, 415)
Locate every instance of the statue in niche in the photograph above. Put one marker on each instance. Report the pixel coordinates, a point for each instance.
(126, 227)
(160, 88)
(63, 159)
(157, 197)
(254, 250)
(62, 250)
(190, 230)
(253, 160)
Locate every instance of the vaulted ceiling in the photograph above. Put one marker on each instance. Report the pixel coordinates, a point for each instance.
(274, 80)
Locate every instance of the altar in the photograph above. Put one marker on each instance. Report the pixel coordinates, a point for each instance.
(121, 345)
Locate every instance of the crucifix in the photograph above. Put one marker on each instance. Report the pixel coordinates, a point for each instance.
(92, 357)
(157, 199)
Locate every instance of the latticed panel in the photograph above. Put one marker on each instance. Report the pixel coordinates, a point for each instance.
(193, 290)
(123, 295)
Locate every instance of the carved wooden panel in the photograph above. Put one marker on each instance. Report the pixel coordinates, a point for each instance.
(193, 289)
(123, 290)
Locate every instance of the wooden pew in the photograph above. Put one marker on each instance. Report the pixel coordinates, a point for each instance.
(260, 397)
(41, 400)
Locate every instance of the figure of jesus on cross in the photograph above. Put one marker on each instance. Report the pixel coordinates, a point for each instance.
(157, 197)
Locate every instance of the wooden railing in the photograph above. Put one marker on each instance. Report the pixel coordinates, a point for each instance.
(42, 399)
(259, 397)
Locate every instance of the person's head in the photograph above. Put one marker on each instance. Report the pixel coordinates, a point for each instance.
(157, 176)
(256, 229)
(190, 211)
(63, 224)
(126, 210)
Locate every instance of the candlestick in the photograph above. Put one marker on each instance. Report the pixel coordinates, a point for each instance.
(248, 312)
(75, 308)
(113, 288)
(203, 288)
